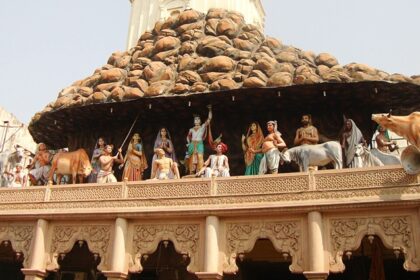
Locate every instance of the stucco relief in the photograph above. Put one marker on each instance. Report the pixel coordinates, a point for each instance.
(285, 236)
(395, 232)
(146, 239)
(65, 236)
(20, 238)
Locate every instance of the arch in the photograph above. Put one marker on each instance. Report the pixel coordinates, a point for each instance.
(20, 236)
(146, 239)
(170, 5)
(284, 235)
(65, 236)
(395, 233)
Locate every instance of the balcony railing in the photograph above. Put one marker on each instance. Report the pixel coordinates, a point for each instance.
(291, 189)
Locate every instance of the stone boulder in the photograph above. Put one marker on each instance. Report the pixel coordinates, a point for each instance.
(219, 64)
(157, 71)
(280, 79)
(326, 59)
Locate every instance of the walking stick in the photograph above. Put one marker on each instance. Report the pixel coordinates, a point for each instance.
(131, 128)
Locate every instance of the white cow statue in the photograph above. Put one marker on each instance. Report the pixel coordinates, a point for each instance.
(315, 155)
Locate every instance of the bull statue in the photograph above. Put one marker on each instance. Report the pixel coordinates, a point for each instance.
(77, 164)
(405, 126)
(315, 155)
(409, 128)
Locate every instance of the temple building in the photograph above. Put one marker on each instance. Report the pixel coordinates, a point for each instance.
(145, 13)
(336, 224)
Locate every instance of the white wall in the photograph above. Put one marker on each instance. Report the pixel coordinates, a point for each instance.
(145, 13)
(16, 134)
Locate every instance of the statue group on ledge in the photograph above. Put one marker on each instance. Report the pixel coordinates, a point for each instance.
(262, 154)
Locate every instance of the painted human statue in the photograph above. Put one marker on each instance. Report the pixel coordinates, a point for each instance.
(40, 166)
(17, 177)
(164, 167)
(163, 141)
(135, 160)
(350, 138)
(195, 143)
(383, 142)
(271, 147)
(252, 147)
(307, 134)
(97, 152)
(217, 165)
(106, 163)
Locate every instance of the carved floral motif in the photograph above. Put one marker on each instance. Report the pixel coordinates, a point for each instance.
(64, 237)
(395, 232)
(20, 237)
(146, 239)
(285, 236)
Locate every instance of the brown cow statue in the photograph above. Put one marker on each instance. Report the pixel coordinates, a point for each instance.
(76, 164)
(405, 126)
(409, 128)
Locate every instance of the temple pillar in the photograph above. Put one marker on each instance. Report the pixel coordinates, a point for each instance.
(133, 29)
(36, 269)
(316, 255)
(211, 251)
(118, 264)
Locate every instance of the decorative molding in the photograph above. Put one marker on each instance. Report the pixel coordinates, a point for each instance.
(169, 189)
(362, 179)
(260, 184)
(381, 195)
(65, 236)
(146, 239)
(80, 193)
(338, 187)
(395, 232)
(285, 235)
(20, 237)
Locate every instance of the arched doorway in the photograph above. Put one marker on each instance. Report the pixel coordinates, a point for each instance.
(372, 260)
(10, 262)
(78, 264)
(263, 262)
(164, 264)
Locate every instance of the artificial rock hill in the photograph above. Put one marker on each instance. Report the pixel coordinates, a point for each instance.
(194, 53)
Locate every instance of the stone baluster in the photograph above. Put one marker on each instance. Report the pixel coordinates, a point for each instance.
(118, 265)
(317, 269)
(36, 269)
(211, 253)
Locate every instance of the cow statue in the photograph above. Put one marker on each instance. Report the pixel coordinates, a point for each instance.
(77, 164)
(315, 155)
(405, 126)
(365, 158)
(409, 128)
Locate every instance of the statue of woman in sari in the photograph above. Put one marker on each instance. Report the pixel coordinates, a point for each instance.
(252, 147)
(271, 145)
(135, 160)
(163, 141)
(97, 152)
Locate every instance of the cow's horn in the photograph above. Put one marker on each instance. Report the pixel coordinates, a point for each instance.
(390, 112)
(410, 160)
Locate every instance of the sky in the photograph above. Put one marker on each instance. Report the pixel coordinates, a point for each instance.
(46, 45)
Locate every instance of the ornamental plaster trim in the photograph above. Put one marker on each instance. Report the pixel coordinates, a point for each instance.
(286, 237)
(146, 238)
(375, 194)
(65, 236)
(20, 236)
(394, 231)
